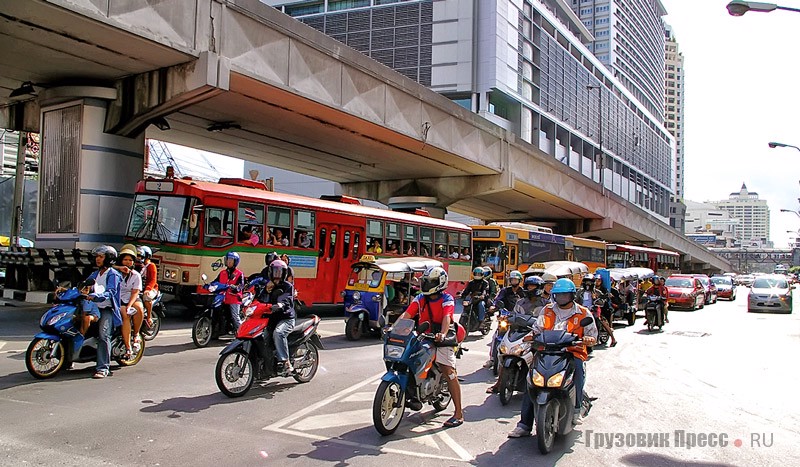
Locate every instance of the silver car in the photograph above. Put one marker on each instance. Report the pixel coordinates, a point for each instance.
(770, 293)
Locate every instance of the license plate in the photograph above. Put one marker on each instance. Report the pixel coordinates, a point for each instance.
(670, 301)
(167, 288)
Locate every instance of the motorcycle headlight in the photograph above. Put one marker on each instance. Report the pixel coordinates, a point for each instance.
(503, 324)
(52, 321)
(537, 379)
(394, 351)
(556, 380)
(356, 295)
(517, 350)
(503, 349)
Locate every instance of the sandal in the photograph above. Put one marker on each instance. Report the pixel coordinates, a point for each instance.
(100, 374)
(613, 344)
(492, 390)
(453, 422)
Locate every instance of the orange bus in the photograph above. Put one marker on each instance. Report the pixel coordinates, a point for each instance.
(192, 224)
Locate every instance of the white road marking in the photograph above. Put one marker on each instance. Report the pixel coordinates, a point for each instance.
(2, 344)
(320, 422)
(360, 397)
(450, 442)
(426, 439)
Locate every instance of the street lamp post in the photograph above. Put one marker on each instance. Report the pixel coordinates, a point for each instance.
(600, 131)
(740, 7)
(792, 211)
(774, 145)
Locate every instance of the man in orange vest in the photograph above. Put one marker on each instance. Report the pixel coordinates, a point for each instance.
(562, 314)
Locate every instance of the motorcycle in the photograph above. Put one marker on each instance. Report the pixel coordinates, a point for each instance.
(516, 356)
(149, 333)
(60, 344)
(251, 356)
(654, 311)
(412, 377)
(215, 320)
(502, 328)
(551, 386)
(469, 317)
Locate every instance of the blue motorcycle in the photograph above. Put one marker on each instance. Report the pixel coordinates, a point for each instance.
(215, 319)
(412, 376)
(60, 344)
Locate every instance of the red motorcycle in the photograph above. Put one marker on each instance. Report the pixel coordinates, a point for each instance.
(251, 356)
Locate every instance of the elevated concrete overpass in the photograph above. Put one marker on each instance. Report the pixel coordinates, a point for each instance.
(278, 92)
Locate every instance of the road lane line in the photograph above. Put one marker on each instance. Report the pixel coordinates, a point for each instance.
(323, 402)
(332, 420)
(2, 344)
(450, 442)
(381, 449)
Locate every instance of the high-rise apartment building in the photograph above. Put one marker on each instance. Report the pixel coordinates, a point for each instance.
(523, 65)
(628, 37)
(752, 213)
(674, 120)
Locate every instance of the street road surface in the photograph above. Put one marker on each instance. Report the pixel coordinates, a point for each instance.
(716, 376)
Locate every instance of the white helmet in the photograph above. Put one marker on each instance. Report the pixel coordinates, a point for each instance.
(433, 280)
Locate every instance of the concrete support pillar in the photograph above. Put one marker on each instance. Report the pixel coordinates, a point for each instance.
(87, 177)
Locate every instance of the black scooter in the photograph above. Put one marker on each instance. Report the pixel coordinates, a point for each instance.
(551, 386)
(469, 317)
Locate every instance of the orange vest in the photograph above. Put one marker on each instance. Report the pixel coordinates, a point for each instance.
(573, 326)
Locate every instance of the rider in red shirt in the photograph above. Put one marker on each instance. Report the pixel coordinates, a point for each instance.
(659, 288)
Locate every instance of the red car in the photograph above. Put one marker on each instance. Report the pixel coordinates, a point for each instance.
(725, 287)
(685, 291)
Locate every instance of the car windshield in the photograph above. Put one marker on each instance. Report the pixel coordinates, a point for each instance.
(679, 282)
(721, 280)
(703, 280)
(769, 283)
(163, 219)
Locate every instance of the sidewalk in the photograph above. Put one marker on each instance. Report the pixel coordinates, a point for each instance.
(42, 298)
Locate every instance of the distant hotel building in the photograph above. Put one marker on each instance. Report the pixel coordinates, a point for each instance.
(674, 119)
(522, 65)
(753, 213)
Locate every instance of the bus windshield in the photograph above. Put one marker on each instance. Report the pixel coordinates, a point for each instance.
(164, 219)
(488, 254)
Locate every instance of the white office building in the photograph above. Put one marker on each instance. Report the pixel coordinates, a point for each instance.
(753, 213)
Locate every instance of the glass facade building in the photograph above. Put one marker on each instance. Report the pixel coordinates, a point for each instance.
(523, 65)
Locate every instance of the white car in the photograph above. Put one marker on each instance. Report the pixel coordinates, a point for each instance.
(770, 293)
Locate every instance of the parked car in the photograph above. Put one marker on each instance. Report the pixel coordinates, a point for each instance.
(746, 279)
(710, 288)
(685, 291)
(770, 293)
(725, 287)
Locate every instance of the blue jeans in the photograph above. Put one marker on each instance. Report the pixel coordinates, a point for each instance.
(282, 330)
(106, 327)
(526, 414)
(481, 311)
(236, 319)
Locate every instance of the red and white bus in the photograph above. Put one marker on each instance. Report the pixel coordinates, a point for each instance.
(663, 262)
(193, 224)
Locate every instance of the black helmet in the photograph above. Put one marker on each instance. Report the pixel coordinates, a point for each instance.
(535, 281)
(270, 257)
(108, 252)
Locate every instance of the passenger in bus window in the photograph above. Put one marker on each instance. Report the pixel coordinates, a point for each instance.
(465, 256)
(441, 251)
(375, 247)
(410, 250)
(214, 234)
(454, 254)
(391, 248)
(248, 235)
(279, 239)
(214, 226)
(424, 250)
(302, 240)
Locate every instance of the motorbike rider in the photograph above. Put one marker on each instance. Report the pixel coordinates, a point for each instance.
(487, 274)
(478, 287)
(532, 305)
(586, 294)
(281, 296)
(436, 305)
(606, 311)
(564, 314)
(659, 288)
(149, 281)
(131, 306)
(508, 297)
(233, 277)
(108, 303)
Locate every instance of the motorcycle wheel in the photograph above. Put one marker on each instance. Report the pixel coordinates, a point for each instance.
(353, 328)
(507, 382)
(486, 327)
(234, 373)
(150, 332)
(443, 399)
(650, 318)
(385, 416)
(135, 357)
(308, 364)
(602, 337)
(38, 361)
(632, 318)
(201, 332)
(546, 425)
(466, 320)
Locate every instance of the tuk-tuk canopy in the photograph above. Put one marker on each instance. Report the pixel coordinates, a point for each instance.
(641, 273)
(552, 270)
(398, 265)
(620, 274)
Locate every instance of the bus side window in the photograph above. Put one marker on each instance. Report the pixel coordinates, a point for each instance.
(219, 227)
(375, 237)
(441, 243)
(346, 245)
(426, 241)
(279, 221)
(356, 245)
(303, 229)
(392, 239)
(323, 238)
(251, 220)
(409, 240)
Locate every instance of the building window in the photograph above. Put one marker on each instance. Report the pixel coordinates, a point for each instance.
(304, 9)
(346, 4)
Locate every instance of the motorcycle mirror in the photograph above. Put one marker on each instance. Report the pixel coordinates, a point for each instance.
(423, 328)
(204, 277)
(587, 321)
